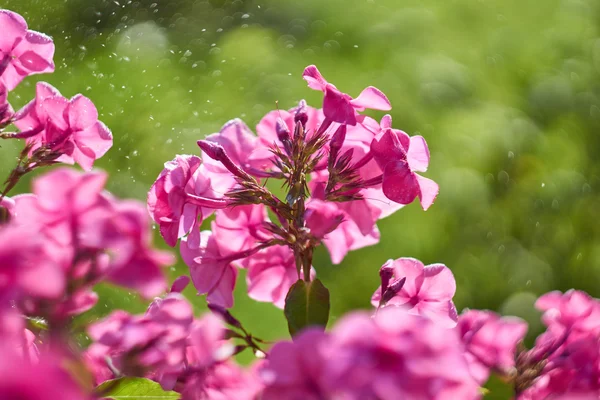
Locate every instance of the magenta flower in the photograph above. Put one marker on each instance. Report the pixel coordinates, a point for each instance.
(340, 107)
(22, 52)
(239, 228)
(298, 370)
(212, 273)
(241, 146)
(181, 198)
(490, 341)
(52, 381)
(428, 290)
(154, 343)
(271, 273)
(69, 127)
(397, 356)
(322, 218)
(399, 156)
(574, 310)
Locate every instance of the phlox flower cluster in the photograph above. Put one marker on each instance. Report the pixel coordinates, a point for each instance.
(341, 172)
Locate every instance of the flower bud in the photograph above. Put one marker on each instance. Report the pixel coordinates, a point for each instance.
(392, 290)
(301, 113)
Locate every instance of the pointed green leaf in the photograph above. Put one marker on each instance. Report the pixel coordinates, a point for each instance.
(307, 303)
(132, 388)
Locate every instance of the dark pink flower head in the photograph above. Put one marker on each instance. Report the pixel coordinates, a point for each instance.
(427, 291)
(212, 273)
(70, 127)
(22, 52)
(396, 355)
(51, 380)
(271, 273)
(181, 198)
(340, 107)
(241, 146)
(490, 341)
(297, 370)
(239, 228)
(399, 156)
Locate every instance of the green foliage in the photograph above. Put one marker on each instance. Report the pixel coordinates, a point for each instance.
(134, 389)
(306, 304)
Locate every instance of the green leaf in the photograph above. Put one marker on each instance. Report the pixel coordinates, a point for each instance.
(307, 303)
(132, 388)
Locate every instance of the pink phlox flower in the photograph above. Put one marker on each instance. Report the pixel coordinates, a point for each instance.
(212, 273)
(271, 273)
(400, 157)
(23, 52)
(181, 198)
(490, 341)
(427, 291)
(224, 381)
(340, 107)
(396, 355)
(575, 311)
(297, 370)
(69, 127)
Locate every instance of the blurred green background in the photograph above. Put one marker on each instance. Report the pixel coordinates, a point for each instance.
(506, 92)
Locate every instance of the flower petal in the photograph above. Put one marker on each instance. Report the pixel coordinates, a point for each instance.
(428, 191)
(418, 154)
(314, 78)
(400, 184)
(372, 98)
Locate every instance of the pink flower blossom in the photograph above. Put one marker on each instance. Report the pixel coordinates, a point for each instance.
(267, 127)
(399, 156)
(51, 380)
(397, 356)
(22, 52)
(574, 310)
(322, 218)
(490, 341)
(212, 273)
(271, 273)
(69, 127)
(151, 343)
(298, 370)
(428, 290)
(340, 107)
(181, 198)
(239, 228)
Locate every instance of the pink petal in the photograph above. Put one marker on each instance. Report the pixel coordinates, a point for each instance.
(33, 62)
(400, 184)
(82, 113)
(92, 144)
(314, 78)
(222, 293)
(439, 283)
(55, 108)
(428, 191)
(336, 107)
(14, 28)
(389, 147)
(443, 313)
(372, 98)
(418, 154)
(412, 270)
(386, 121)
